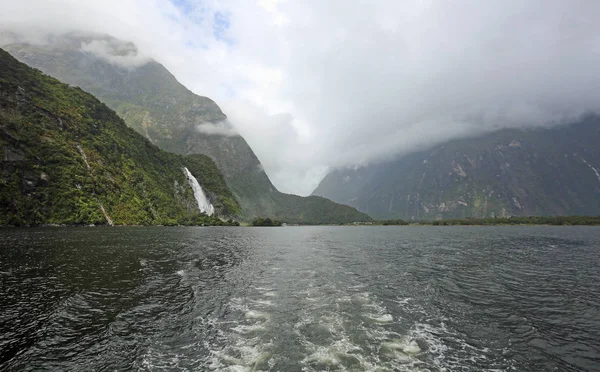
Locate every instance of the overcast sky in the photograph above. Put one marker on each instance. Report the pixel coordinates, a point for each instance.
(317, 84)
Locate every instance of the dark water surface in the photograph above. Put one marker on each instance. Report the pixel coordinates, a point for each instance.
(300, 299)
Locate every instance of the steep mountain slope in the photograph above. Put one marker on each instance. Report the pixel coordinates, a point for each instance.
(509, 172)
(151, 101)
(67, 158)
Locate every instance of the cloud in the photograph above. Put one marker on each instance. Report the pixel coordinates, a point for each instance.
(313, 85)
(112, 51)
(222, 128)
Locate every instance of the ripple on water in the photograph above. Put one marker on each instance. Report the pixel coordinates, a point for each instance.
(301, 299)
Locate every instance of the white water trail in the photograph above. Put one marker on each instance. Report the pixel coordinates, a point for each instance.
(594, 169)
(203, 203)
(84, 157)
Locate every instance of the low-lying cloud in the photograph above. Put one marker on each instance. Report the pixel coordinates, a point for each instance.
(222, 128)
(314, 85)
(118, 53)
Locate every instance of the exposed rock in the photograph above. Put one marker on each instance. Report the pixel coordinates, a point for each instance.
(13, 154)
(457, 169)
(514, 143)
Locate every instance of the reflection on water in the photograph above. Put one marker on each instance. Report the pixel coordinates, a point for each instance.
(301, 299)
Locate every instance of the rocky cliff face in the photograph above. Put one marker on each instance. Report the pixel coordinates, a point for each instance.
(151, 101)
(506, 173)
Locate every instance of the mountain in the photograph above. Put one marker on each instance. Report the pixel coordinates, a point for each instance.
(506, 173)
(151, 101)
(69, 159)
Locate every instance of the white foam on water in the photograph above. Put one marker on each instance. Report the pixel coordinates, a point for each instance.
(253, 314)
(438, 350)
(376, 312)
(266, 291)
(393, 350)
(412, 348)
(248, 329)
(383, 318)
(154, 359)
(244, 355)
(263, 302)
(343, 351)
(238, 303)
(429, 334)
(338, 331)
(362, 298)
(403, 301)
(343, 299)
(243, 345)
(393, 345)
(337, 355)
(324, 357)
(263, 288)
(408, 346)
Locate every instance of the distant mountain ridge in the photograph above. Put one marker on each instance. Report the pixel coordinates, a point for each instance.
(505, 173)
(68, 159)
(151, 101)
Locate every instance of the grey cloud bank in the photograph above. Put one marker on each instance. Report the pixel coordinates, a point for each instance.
(316, 85)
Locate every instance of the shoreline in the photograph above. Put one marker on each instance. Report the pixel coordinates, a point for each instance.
(48, 226)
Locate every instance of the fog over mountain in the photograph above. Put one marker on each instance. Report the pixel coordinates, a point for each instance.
(316, 85)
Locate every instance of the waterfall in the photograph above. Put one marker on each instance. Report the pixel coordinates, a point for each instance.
(82, 153)
(594, 169)
(203, 202)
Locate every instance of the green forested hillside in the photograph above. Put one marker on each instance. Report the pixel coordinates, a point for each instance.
(69, 159)
(151, 101)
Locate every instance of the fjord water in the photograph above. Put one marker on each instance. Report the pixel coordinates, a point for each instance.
(300, 299)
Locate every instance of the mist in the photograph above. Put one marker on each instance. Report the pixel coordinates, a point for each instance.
(115, 53)
(222, 128)
(315, 86)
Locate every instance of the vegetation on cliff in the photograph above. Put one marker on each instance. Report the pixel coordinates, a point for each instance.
(260, 221)
(69, 159)
(529, 220)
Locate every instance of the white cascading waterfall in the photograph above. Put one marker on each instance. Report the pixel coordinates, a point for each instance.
(203, 202)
